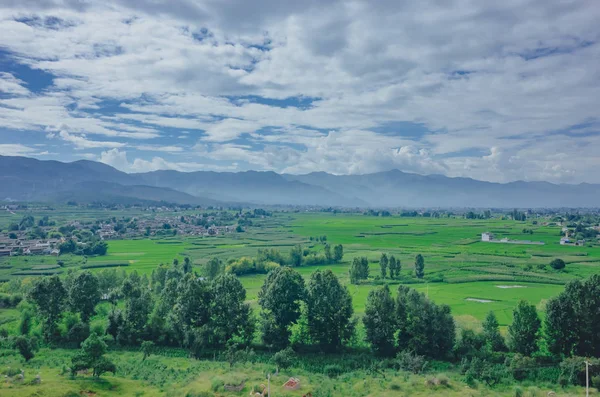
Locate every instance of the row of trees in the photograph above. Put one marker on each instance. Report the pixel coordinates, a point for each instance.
(359, 269)
(178, 308)
(271, 258)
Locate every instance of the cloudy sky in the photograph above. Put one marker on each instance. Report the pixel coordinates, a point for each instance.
(493, 90)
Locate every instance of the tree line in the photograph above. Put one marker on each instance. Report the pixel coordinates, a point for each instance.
(389, 266)
(176, 307)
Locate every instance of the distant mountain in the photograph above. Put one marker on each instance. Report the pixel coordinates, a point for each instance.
(400, 189)
(249, 187)
(29, 179)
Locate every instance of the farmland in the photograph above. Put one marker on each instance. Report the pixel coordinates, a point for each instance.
(471, 276)
(460, 270)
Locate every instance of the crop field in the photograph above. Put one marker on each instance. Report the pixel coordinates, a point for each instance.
(469, 275)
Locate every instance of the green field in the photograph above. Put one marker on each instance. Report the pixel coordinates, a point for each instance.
(459, 268)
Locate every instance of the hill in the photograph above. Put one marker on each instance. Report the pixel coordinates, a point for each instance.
(29, 179)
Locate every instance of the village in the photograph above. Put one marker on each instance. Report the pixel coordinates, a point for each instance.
(46, 238)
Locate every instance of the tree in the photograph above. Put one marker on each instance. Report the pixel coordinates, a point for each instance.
(213, 268)
(524, 331)
(572, 323)
(328, 255)
(187, 265)
(84, 295)
(284, 358)
(329, 310)
(50, 296)
(25, 324)
(558, 264)
(280, 298)
(115, 322)
(138, 304)
(91, 355)
(379, 321)
(338, 253)
(147, 348)
(491, 332)
(230, 315)
(25, 346)
(359, 270)
(393, 265)
(422, 326)
(419, 266)
(296, 255)
(383, 264)
(192, 306)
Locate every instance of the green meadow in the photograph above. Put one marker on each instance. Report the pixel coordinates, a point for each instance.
(469, 275)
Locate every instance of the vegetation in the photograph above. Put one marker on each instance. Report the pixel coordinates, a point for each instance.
(193, 323)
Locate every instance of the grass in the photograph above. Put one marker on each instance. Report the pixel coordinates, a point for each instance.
(164, 375)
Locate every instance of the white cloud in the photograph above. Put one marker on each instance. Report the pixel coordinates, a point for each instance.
(508, 79)
(15, 149)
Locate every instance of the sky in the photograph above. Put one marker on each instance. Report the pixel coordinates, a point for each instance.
(495, 91)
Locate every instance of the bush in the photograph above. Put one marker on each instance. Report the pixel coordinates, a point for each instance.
(408, 361)
(519, 392)
(333, 370)
(216, 384)
(557, 264)
(284, 359)
(395, 386)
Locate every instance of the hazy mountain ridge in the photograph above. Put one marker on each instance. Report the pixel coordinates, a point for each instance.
(30, 179)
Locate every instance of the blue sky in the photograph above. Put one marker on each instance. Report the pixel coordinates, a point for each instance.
(496, 92)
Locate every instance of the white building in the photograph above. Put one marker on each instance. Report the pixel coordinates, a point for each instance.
(487, 236)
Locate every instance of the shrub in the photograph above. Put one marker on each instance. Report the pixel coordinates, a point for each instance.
(333, 370)
(443, 380)
(519, 392)
(216, 384)
(409, 361)
(533, 392)
(557, 264)
(284, 359)
(395, 386)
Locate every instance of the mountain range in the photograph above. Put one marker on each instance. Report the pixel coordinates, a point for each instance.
(28, 179)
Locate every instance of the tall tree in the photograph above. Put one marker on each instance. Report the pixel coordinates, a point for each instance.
(138, 304)
(572, 321)
(50, 296)
(192, 307)
(213, 268)
(364, 268)
(84, 295)
(354, 271)
(491, 332)
(328, 254)
(329, 310)
(383, 264)
(524, 330)
(296, 256)
(338, 253)
(419, 266)
(280, 297)
(393, 265)
(230, 315)
(187, 265)
(379, 321)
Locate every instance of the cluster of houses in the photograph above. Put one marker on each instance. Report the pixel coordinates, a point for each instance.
(490, 238)
(153, 226)
(20, 246)
(566, 240)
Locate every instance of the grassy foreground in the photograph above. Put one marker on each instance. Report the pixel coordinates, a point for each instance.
(162, 375)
